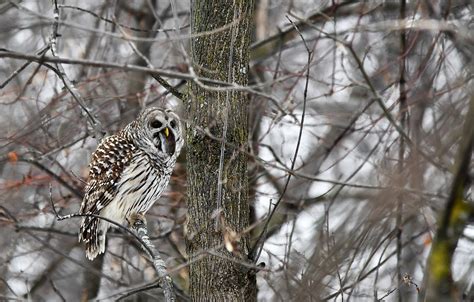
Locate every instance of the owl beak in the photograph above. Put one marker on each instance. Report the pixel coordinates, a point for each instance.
(167, 141)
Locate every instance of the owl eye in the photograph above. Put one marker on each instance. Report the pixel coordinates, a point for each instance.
(173, 124)
(156, 124)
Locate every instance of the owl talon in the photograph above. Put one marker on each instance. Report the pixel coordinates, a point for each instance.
(137, 220)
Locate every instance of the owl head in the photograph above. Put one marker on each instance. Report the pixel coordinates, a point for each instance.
(158, 132)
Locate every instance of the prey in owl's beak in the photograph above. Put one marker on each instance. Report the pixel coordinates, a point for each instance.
(166, 141)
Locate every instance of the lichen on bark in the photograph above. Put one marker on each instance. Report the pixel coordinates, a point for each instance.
(219, 50)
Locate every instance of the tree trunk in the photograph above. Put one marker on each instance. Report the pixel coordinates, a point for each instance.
(439, 283)
(219, 210)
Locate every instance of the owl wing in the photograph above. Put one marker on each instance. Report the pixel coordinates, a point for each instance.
(108, 162)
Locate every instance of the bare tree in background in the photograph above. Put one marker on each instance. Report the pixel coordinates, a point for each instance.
(358, 147)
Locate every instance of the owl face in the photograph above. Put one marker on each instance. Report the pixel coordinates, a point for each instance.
(161, 133)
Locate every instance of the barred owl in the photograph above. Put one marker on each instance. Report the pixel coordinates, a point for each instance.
(128, 172)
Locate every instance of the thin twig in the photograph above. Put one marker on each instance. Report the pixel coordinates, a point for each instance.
(40, 52)
(122, 25)
(96, 125)
(373, 269)
(156, 76)
(257, 249)
(137, 290)
(168, 87)
(56, 290)
(58, 178)
(387, 294)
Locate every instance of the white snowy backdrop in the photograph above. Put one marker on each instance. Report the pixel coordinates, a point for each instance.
(384, 98)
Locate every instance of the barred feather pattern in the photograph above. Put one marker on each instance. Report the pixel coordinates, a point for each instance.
(128, 172)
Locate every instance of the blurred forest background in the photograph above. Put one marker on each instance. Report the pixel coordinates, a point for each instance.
(361, 123)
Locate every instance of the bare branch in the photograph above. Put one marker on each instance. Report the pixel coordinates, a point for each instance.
(96, 125)
(140, 226)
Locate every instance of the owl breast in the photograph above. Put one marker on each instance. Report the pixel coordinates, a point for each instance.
(140, 185)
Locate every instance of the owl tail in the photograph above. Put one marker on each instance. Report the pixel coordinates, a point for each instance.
(93, 232)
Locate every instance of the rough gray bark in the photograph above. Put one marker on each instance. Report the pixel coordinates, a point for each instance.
(219, 209)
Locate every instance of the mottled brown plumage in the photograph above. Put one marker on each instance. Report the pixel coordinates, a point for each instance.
(128, 173)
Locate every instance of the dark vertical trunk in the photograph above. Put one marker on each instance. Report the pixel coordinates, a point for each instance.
(91, 285)
(439, 284)
(219, 210)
